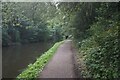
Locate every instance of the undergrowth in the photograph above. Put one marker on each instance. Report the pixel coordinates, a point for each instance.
(101, 52)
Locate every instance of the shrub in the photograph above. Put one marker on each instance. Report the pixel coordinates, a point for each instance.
(101, 52)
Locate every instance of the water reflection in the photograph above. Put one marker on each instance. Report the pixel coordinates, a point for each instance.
(16, 58)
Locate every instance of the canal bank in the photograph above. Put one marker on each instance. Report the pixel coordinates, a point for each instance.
(34, 69)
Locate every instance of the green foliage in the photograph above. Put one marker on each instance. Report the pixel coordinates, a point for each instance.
(94, 27)
(101, 54)
(34, 69)
(26, 24)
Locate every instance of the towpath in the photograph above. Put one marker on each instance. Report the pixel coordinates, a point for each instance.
(61, 65)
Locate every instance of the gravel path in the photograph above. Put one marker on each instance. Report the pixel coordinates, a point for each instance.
(61, 65)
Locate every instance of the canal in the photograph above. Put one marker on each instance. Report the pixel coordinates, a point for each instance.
(16, 58)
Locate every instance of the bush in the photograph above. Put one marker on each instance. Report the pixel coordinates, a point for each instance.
(101, 52)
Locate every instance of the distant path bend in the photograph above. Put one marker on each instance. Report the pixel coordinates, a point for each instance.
(61, 65)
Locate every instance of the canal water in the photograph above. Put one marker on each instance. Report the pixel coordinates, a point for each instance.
(16, 58)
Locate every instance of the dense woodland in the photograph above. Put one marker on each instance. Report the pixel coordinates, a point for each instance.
(29, 22)
(92, 26)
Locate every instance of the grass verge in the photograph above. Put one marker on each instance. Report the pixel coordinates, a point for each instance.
(32, 71)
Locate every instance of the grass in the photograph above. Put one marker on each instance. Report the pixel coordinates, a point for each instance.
(32, 71)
